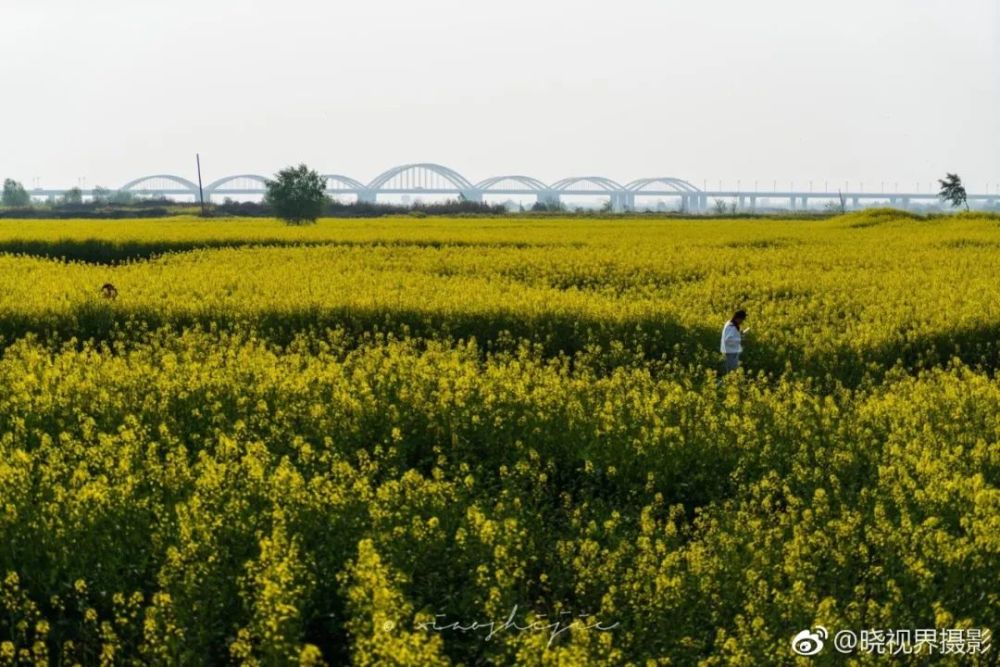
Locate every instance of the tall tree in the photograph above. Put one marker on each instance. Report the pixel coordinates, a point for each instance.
(73, 197)
(297, 195)
(14, 194)
(101, 195)
(953, 191)
(123, 198)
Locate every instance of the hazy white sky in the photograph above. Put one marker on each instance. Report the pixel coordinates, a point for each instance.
(866, 90)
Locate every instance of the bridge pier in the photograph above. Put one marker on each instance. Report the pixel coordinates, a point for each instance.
(753, 204)
(791, 202)
(621, 202)
(694, 203)
(855, 202)
(367, 197)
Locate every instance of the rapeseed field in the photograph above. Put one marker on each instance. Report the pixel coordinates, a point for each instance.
(495, 441)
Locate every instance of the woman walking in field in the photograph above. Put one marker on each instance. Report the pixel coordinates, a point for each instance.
(732, 340)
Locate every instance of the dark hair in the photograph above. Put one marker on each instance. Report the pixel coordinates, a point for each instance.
(740, 315)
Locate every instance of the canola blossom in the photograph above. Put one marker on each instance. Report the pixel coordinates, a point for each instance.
(348, 443)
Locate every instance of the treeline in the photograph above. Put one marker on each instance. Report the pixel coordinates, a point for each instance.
(156, 208)
(17, 202)
(337, 209)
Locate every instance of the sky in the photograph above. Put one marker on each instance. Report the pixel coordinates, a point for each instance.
(713, 91)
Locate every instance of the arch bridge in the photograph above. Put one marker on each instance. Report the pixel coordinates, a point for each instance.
(426, 178)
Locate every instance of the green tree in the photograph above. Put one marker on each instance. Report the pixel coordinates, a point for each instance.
(101, 195)
(123, 198)
(73, 196)
(297, 195)
(953, 191)
(14, 194)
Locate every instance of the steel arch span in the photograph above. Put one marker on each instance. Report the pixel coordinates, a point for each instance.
(418, 176)
(183, 182)
(341, 183)
(431, 178)
(217, 185)
(672, 184)
(602, 184)
(527, 183)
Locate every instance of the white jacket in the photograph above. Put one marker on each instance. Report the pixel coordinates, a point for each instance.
(732, 339)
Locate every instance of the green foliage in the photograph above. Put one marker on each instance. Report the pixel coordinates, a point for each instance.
(953, 192)
(73, 197)
(297, 195)
(14, 194)
(101, 195)
(123, 197)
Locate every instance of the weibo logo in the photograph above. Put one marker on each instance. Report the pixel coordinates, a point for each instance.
(810, 642)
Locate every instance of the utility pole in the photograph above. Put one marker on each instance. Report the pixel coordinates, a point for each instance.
(201, 191)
